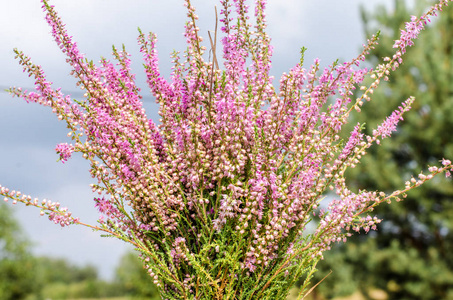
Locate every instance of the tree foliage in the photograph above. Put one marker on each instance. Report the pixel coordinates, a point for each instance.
(410, 255)
(60, 270)
(24, 276)
(134, 280)
(15, 262)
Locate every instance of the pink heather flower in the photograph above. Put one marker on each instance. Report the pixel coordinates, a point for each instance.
(65, 151)
(64, 219)
(389, 125)
(446, 162)
(413, 28)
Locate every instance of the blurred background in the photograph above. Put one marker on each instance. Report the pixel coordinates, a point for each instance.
(407, 258)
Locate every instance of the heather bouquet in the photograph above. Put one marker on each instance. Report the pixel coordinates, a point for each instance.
(223, 198)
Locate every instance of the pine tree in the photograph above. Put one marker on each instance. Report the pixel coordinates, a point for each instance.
(410, 256)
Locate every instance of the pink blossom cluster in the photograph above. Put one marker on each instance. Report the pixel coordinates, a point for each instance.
(232, 155)
(178, 252)
(65, 151)
(58, 215)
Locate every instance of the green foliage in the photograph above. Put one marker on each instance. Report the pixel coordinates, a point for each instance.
(60, 270)
(60, 279)
(92, 289)
(16, 278)
(23, 276)
(410, 255)
(133, 280)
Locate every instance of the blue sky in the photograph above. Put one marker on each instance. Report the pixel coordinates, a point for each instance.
(330, 29)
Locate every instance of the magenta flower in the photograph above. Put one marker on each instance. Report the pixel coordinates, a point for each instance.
(65, 151)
